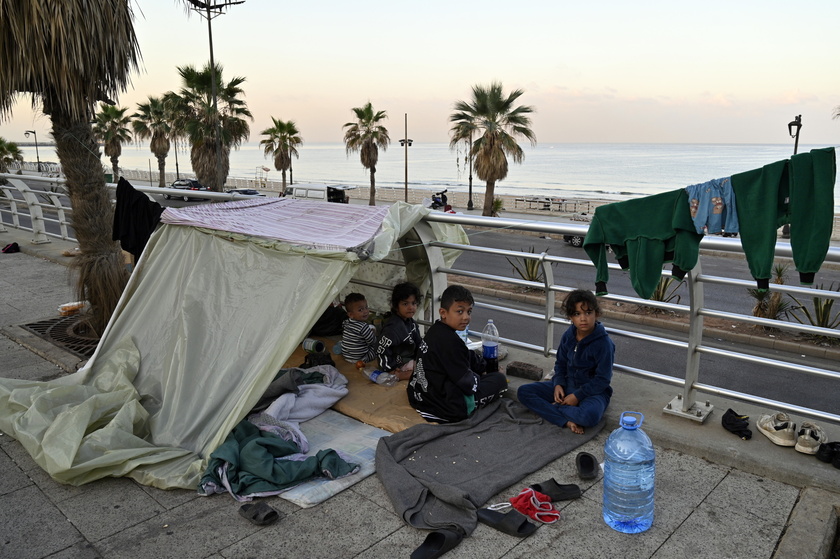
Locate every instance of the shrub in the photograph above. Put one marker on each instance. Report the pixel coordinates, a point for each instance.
(528, 268)
(822, 313)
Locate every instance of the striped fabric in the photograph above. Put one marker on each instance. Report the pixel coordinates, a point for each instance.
(322, 225)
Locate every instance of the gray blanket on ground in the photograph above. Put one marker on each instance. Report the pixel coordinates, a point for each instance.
(437, 476)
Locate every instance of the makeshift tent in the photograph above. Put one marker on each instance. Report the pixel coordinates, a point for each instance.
(217, 303)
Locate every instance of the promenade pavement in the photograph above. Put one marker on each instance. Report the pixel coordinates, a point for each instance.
(716, 495)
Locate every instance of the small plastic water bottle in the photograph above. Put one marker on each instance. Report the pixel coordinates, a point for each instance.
(490, 346)
(629, 469)
(463, 335)
(377, 376)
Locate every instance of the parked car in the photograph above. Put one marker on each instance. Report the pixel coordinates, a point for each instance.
(574, 240)
(245, 192)
(320, 192)
(182, 186)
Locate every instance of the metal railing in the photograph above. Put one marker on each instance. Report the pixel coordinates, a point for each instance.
(684, 405)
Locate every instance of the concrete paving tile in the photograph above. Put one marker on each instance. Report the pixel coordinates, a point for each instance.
(581, 533)
(81, 550)
(169, 499)
(108, 506)
(39, 371)
(398, 544)
(682, 482)
(483, 543)
(195, 529)
(564, 469)
(17, 453)
(32, 526)
(372, 489)
(13, 478)
(54, 490)
(714, 532)
(15, 358)
(341, 527)
(744, 493)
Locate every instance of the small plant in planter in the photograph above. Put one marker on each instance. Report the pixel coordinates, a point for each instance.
(528, 268)
(821, 316)
(666, 292)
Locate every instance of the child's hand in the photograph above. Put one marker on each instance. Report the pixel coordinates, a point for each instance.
(570, 400)
(559, 394)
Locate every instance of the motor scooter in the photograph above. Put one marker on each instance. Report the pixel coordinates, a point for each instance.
(439, 201)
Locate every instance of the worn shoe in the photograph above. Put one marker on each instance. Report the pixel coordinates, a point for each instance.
(809, 438)
(778, 428)
(828, 451)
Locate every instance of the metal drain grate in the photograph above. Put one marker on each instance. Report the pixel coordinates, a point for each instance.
(61, 332)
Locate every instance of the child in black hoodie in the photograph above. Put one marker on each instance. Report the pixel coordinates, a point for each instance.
(449, 381)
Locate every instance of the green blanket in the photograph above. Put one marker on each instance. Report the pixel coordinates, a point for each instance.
(247, 461)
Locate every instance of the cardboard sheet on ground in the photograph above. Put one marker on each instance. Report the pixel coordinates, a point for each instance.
(210, 314)
(385, 407)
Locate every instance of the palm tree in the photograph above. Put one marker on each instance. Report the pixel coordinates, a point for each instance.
(152, 120)
(68, 60)
(9, 153)
(195, 116)
(281, 143)
(366, 136)
(494, 122)
(111, 128)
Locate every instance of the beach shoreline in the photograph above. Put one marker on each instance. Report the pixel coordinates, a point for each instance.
(575, 209)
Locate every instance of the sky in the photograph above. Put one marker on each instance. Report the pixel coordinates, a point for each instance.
(715, 71)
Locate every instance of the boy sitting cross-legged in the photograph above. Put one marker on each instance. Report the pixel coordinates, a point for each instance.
(448, 382)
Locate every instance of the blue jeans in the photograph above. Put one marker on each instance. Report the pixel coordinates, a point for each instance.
(539, 398)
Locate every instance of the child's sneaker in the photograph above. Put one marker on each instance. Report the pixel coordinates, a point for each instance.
(778, 428)
(809, 438)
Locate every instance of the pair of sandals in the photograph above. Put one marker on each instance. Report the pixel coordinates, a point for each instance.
(514, 523)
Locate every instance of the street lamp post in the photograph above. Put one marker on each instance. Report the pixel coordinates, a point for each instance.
(797, 124)
(177, 172)
(210, 10)
(37, 155)
(405, 142)
(470, 201)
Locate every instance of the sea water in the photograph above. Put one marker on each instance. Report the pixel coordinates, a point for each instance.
(575, 171)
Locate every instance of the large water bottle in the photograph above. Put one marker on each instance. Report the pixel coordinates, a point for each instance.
(490, 346)
(629, 469)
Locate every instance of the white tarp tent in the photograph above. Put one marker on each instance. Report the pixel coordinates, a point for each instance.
(216, 305)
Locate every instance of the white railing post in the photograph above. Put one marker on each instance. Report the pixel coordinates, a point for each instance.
(548, 281)
(36, 215)
(437, 280)
(684, 405)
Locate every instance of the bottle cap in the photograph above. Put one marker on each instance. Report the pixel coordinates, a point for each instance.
(629, 420)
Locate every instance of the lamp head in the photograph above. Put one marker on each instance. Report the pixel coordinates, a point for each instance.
(795, 123)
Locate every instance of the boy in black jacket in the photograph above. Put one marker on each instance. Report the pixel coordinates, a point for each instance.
(448, 382)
